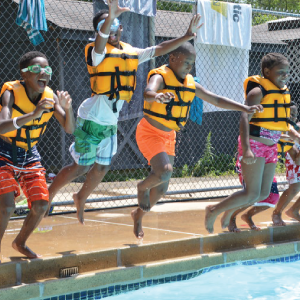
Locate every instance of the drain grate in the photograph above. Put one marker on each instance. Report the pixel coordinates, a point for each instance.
(68, 272)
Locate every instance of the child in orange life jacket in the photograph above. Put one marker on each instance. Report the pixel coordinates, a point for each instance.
(258, 137)
(112, 65)
(26, 107)
(285, 145)
(168, 96)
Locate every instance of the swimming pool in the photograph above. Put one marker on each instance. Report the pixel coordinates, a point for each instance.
(277, 278)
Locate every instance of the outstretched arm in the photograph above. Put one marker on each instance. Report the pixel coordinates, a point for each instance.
(63, 111)
(114, 12)
(168, 46)
(224, 102)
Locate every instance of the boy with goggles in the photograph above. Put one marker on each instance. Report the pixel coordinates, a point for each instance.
(26, 107)
(112, 65)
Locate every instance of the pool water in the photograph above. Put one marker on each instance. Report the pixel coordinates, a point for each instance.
(266, 281)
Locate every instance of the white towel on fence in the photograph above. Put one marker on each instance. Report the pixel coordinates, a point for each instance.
(227, 24)
(142, 7)
(31, 16)
(222, 70)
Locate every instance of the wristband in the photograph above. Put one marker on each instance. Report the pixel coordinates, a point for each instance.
(105, 36)
(15, 123)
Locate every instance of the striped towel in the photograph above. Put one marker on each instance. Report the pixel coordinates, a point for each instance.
(31, 16)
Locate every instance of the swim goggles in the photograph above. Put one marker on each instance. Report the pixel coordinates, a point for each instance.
(113, 28)
(38, 69)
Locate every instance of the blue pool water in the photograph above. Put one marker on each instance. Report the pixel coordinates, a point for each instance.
(240, 282)
(270, 279)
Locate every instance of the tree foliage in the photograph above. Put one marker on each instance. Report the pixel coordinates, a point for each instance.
(287, 5)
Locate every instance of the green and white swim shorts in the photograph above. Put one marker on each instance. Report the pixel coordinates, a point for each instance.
(93, 143)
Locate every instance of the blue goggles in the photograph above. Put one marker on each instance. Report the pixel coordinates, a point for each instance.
(114, 26)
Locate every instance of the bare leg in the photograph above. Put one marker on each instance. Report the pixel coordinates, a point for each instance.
(7, 207)
(293, 212)
(247, 217)
(286, 197)
(93, 178)
(137, 214)
(32, 220)
(232, 223)
(65, 176)
(162, 168)
(257, 188)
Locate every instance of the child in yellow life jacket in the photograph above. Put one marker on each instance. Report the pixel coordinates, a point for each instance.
(26, 106)
(258, 137)
(286, 148)
(112, 65)
(167, 99)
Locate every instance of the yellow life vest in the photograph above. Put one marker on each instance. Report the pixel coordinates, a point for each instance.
(115, 76)
(276, 103)
(28, 135)
(284, 146)
(175, 113)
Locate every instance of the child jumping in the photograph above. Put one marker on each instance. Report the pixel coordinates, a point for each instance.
(168, 96)
(112, 65)
(285, 145)
(26, 107)
(259, 135)
(292, 164)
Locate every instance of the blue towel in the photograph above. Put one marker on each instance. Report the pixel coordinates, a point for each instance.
(31, 16)
(196, 110)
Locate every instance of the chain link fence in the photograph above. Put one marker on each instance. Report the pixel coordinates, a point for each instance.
(205, 155)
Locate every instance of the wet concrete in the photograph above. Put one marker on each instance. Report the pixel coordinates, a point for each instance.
(109, 229)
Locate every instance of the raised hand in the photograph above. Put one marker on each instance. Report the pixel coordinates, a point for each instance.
(114, 9)
(194, 26)
(64, 99)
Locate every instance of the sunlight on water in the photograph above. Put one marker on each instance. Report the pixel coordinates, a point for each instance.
(256, 282)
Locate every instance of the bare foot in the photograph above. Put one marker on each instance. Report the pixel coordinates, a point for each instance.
(277, 220)
(137, 224)
(232, 226)
(143, 199)
(226, 219)
(293, 214)
(23, 249)
(209, 218)
(250, 222)
(80, 208)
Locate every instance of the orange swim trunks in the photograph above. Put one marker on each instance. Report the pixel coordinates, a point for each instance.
(152, 141)
(33, 184)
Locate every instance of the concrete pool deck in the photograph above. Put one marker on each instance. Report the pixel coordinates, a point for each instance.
(175, 241)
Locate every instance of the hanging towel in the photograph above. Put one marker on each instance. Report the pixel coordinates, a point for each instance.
(222, 70)
(227, 24)
(196, 110)
(31, 16)
(142, 7)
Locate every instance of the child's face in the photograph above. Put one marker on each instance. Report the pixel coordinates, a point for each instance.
(182, 64)
(278, 75)
(37, 82)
